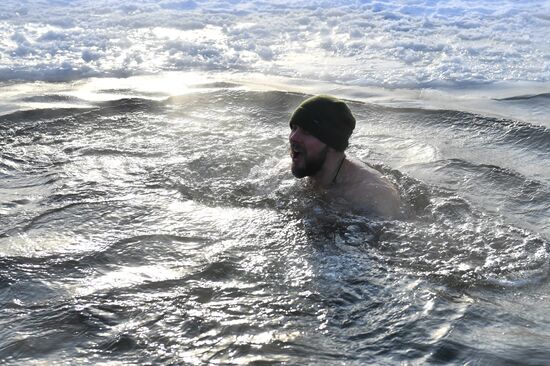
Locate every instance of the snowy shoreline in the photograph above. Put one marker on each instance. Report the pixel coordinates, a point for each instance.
(387, 44)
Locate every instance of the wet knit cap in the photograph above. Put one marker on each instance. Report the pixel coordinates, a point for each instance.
(327, 118)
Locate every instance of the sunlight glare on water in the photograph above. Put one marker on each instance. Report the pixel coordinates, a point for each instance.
(160, 230)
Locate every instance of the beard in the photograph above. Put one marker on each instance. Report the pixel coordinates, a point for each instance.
(311, 164)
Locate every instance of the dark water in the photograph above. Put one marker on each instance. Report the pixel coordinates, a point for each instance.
(170, 232)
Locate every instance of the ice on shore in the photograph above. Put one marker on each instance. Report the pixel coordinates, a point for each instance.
(370, 43)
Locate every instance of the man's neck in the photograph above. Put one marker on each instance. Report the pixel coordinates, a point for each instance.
(330, 170)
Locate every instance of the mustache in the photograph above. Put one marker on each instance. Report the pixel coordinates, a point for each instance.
(296, 148)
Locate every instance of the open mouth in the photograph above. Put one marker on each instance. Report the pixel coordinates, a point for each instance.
(295, 151)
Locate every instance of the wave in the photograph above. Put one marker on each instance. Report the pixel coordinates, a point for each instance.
(41, 114)
(51, 98)
(91, 151)
(501, 131)
(129, 105)
(282, 103)
(15, 119)
(543, 96)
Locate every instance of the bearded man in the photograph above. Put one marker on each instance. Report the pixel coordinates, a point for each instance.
(320, 130)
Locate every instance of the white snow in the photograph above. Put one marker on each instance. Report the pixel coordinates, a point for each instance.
(383, 43)
(451, 46)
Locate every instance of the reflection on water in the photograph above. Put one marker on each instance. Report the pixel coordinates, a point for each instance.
(171, 232)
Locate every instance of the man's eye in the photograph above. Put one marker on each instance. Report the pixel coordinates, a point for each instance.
(293, 127)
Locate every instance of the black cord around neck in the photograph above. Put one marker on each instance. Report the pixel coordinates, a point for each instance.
(338, 171)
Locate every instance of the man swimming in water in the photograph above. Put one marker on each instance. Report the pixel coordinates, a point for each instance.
(320, 130)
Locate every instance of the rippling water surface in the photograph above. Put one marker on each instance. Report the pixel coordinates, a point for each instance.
(142, 231)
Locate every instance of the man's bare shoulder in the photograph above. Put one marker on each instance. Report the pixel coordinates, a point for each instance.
(367, 188)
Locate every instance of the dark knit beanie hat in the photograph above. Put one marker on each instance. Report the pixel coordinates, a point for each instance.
(327, 118)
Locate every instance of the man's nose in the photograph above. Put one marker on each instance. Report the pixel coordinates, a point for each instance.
(294, 135)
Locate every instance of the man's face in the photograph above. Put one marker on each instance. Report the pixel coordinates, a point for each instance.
(308, 153)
